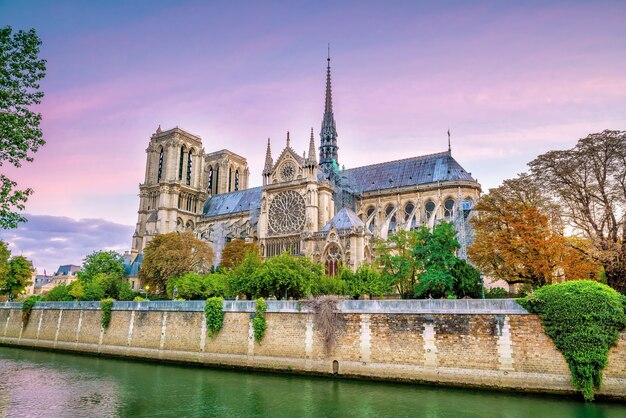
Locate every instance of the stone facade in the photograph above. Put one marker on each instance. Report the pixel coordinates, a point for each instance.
(304, 207)
(492, 343)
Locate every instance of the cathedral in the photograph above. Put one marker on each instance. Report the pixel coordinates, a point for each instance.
(307, 205)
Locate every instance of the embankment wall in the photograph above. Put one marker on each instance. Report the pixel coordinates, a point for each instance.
(492, 343)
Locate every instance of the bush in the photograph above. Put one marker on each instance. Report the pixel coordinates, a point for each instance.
(326, 285)
(467, 280)
(584, 319)
(93, 291)
(496, 293)
(435, 283)
(106, 305)
(59, 293)
(27, 307)
(192, 286)
(258, 322)
(214, 315)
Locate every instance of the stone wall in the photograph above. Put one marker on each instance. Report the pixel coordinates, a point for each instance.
(478, 343)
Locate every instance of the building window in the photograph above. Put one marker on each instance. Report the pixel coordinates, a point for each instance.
(217, 181)
(430, 209)
(230, 179)
(392, 221)
(408, 211)
(333, 260)
(370, 212)
(236, 180)
(210, 188)
(189, 159)
(160, 166)
(448, 209)
(180, 163)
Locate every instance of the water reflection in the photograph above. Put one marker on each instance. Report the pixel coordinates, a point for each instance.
(49, 384)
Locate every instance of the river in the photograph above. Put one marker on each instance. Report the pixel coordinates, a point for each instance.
(47, 384)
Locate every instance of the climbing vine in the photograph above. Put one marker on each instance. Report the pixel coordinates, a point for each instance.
(27, 307)
(214, 313)
(325, 319)
(106, 305)
(584, 319)
(258, 322)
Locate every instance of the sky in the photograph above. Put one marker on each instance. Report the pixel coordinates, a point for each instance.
(510, 80)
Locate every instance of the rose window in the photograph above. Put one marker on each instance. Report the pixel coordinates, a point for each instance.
(287, 212)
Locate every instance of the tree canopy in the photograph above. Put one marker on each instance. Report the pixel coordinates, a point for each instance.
(109, 263)
(18, 276)
(588, 183)
(519, 237)
(172, 255)
(235, 251)
(21, 69)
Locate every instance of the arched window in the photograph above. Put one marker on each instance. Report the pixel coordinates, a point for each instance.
(448, 209)
(430, 209)
(189, 159)
(180, 163)
(333, 260)
(369, 213)
(236, 180)
(230, 179)
(217, 180)
(160, 174)
(392, 221)
(210, 186)
(408, 210)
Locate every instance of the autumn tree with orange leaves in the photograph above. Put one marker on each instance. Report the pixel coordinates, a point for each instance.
(235, 251)
(519, 238)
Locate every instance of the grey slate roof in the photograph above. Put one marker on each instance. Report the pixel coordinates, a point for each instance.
(132, 269)
(229, 203)
(344, 219)
(67, 270)
(408, 172)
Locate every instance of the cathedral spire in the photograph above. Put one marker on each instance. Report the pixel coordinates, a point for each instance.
(268, 159)
(312, 160)
(328, 135)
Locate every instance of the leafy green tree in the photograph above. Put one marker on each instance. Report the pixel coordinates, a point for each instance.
(18, 276)
(194, 286)
(365, 281)
(242, 279)
(21, 69)
(286, 276)
(5, 253)
(109, 263)
(467, 280)
(434, 253)
(397, 263)
(59, 293)
(171, 255)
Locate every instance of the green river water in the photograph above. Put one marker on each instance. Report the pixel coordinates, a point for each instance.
(46, 384)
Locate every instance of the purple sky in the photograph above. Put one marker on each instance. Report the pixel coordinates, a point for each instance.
(510, 81)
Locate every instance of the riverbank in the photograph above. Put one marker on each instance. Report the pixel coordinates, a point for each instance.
(473, 343)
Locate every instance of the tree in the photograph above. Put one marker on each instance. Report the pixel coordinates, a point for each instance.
(365, 281)
(172, 255)
(241, 279)
(235, 251)
(5, 253)
(467, 280)
(17, 277)
(588, 182)
(519, 237)
(434, 253)
(20, 134)
(286, 276)
(109, 263)
(396, 261)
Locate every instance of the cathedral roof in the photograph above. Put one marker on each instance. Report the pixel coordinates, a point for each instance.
(408, 172)
(228, 203)
(344, 219)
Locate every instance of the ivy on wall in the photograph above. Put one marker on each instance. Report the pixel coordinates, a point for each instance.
(258, 322)
(584, 319)
(27, 308)
(214, 314)
(106, 305)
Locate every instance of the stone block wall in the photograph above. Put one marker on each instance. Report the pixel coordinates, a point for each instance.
(492, 344)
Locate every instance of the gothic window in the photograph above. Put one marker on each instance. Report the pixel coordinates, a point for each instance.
(180, 163)
(210, 188)
(230, 179)
(369, 213)
(217, 180)
(466, 206)
(430, 209)
(392, 221)
(408, 210)
(287, 212)
(160, 166)
(236, 180)
(333, 260)
(189, 159)
(448, 209)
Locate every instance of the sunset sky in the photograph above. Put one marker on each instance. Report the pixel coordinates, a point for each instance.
(510, 80)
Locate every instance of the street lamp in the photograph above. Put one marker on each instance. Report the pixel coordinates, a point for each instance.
(147, 287)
